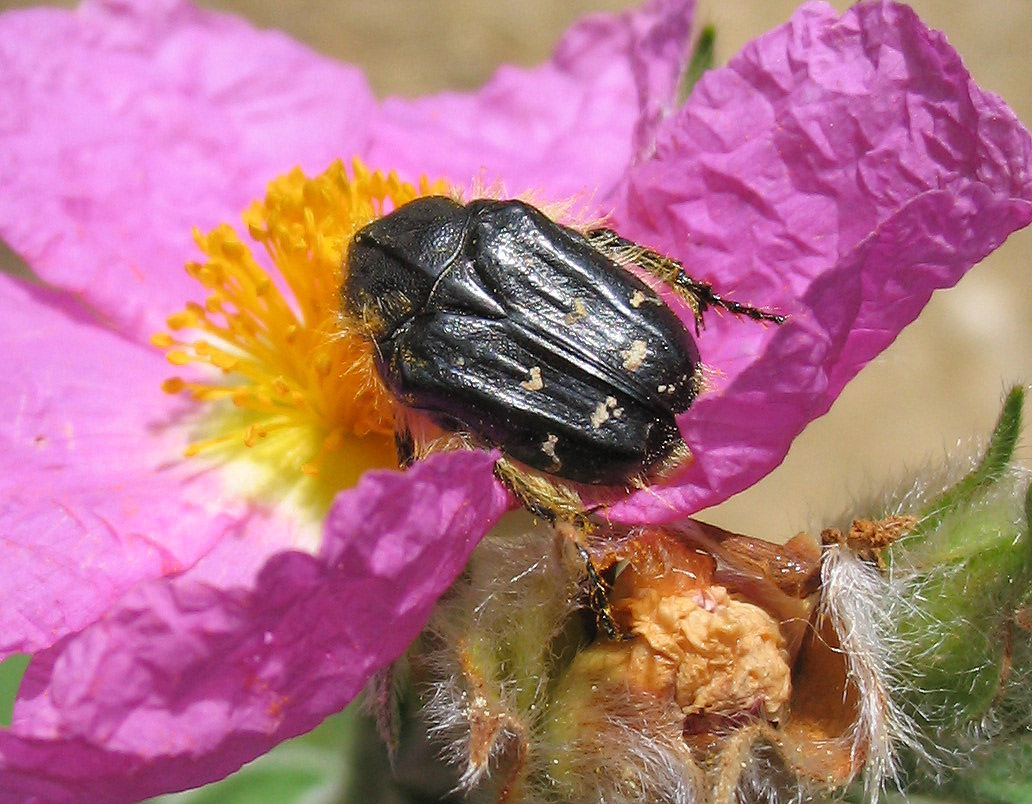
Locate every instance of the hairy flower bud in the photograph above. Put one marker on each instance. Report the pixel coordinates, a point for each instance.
(735, 670)
(935, 624)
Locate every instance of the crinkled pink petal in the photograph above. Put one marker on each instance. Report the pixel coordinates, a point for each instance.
(183, 681)
(125, 125)
(122, 127)
(92, 496)
(837, 171)
(567, 129)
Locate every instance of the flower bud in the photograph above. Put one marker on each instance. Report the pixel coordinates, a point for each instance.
(538, 704)
(689, 664)
(931, 628)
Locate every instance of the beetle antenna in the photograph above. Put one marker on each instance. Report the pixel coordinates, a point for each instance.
(698, 295)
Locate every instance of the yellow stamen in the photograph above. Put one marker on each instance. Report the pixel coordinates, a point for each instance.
(291, 386)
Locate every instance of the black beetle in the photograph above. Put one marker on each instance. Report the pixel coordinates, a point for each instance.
(500, 325)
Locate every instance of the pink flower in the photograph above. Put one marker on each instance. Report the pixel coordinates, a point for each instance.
(838, 170)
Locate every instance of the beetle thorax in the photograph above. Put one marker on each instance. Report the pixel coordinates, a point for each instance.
(394, 263)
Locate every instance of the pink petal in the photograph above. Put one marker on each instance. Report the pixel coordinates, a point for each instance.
(92, 500)
(837, 170)
(182, 682)
(125, 125)
(568, 128)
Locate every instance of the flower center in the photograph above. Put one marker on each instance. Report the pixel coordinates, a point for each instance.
(293, 392)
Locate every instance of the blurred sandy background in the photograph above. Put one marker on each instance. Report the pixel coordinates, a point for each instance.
(939, 384)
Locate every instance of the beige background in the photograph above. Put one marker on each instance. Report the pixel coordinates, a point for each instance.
(938, 384)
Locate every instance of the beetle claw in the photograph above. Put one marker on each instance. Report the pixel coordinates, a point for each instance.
(598, 596)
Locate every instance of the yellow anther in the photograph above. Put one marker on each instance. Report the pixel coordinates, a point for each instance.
(223, 361)
(180, 320)
(275, 337)
(207, 275)
(253, 434)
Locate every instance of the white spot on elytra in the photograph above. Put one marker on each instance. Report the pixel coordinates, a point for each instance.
(601, 414)
(637, 298)
(579, 311)
(534, 383)
(633, 357)
(548, 447)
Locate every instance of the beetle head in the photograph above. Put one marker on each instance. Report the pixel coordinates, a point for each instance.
(393, 262)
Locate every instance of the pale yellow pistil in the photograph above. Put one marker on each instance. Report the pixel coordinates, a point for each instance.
(293, 392)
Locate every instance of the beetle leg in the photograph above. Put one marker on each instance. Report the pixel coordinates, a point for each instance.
(543, 498)
(405, 445)
(555, 503)
(598, 597)
(699, 295)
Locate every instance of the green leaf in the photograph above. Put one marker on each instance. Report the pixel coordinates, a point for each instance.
(953, 634)
(310, 769)
(701, 61)
(11, 671)
(992, 466)
(1004, 776)
(342, 761)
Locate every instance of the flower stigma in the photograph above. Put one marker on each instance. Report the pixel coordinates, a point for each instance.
(296, 399)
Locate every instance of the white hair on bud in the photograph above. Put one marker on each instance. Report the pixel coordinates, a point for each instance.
(864, 606)
(516, 591)
(860, 605)
(630, 759)
(449, 713)
(765, 779)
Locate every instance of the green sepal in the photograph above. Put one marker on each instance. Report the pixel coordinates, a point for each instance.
(991, 468)
(968, 566)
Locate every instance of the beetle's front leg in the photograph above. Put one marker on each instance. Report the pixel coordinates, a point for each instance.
(555, 503)
(698, 295)
(540, 496)
(404, 444)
